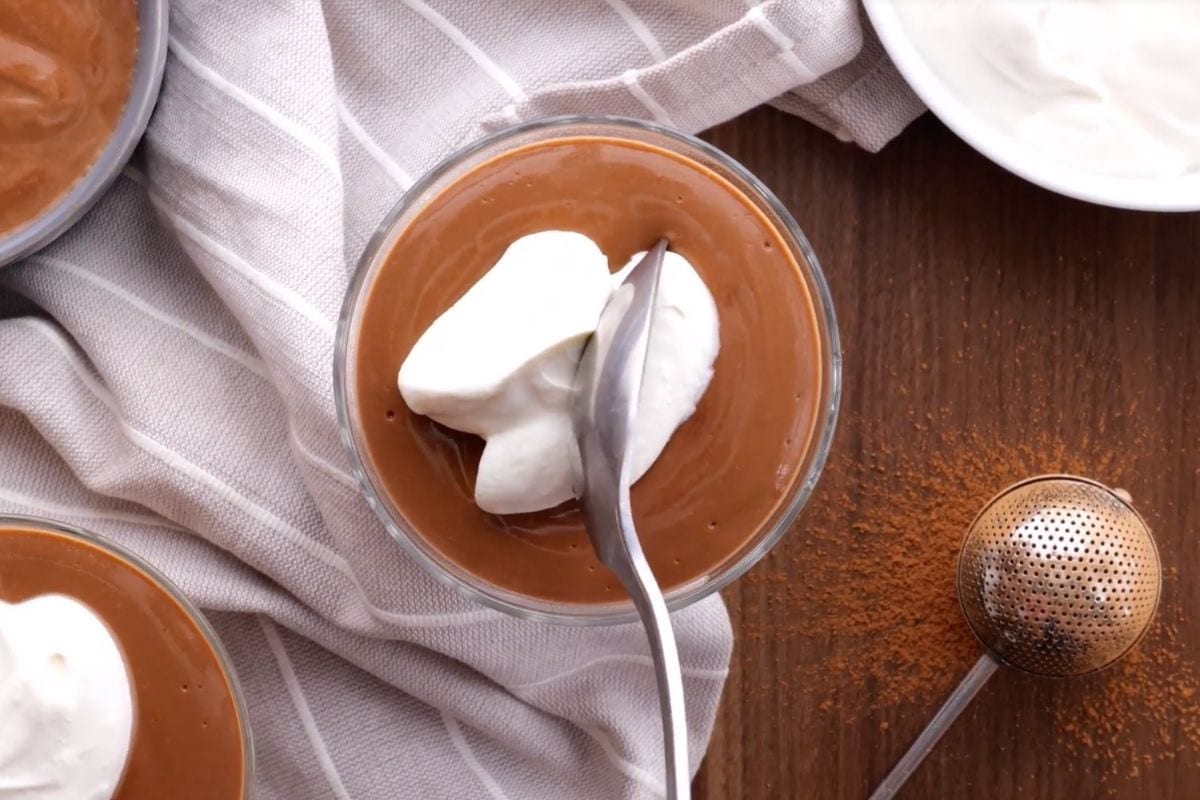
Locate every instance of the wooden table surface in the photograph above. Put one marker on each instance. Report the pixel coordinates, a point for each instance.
(989, 328)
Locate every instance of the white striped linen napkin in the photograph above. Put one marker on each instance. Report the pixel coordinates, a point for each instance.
(165, 369)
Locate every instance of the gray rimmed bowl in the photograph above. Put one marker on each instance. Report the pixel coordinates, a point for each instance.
(143, 93)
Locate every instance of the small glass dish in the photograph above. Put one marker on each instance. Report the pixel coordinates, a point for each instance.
(448, 173)
(139, 567)
(143, 93)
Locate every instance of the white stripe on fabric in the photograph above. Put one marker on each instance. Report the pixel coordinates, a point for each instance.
(381, 156)
(220, 252)
(302, 710)
(626, 768)
(639, 28)
(464, 750)
(58, 509)
(621, 658)
(244, 504)
(181, 464)
(310, 140)
(787, 51)
(252, 363)
(470, 48)
(339, 475)
(245, 359)
(630, 79)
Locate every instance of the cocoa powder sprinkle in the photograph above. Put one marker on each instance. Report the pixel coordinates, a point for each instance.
(879, 555)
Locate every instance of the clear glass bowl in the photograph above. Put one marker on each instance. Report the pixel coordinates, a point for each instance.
(137, 564)
(143, 94)
(431, 186)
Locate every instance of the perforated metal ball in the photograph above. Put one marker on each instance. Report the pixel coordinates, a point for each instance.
(1059, 576)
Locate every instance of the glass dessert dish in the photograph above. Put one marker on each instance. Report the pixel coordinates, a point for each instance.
(86, 191)
(190, 718)
(668, 183)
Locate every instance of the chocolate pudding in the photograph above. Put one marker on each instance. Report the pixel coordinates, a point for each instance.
(726, 474)
(65, 74)
(187, 739)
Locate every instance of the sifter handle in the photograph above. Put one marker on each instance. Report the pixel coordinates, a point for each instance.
(958, 700)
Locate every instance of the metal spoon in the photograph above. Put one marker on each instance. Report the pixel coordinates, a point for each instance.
(607, 388)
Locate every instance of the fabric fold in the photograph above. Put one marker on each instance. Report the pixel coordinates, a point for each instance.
(166, 369)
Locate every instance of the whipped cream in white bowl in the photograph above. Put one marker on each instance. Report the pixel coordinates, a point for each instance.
(66, 708)
(1094, 99)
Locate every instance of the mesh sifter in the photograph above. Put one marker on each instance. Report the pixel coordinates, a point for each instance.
(1057, 576)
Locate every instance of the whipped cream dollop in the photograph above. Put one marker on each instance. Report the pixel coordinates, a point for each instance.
(501, 363)
(66, 709)
(1109, 87)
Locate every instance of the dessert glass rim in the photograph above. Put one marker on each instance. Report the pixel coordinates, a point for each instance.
(197, 618)
(379, 246)
(144, 85)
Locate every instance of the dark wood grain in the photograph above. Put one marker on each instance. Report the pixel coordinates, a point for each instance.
(1092, 342)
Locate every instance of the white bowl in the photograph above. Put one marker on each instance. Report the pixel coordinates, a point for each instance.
(1148, 194)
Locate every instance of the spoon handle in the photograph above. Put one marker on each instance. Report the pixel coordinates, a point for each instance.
(648, 599)
(958, 700)
(607, 390)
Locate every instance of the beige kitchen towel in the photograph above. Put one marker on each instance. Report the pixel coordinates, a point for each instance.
(165, 369)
